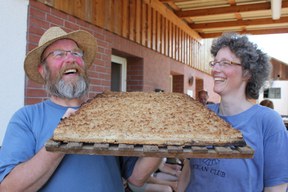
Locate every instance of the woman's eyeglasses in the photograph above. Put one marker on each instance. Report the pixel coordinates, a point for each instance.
(222, 63)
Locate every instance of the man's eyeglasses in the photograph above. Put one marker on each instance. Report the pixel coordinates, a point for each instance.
(61, 54)
(223, 63)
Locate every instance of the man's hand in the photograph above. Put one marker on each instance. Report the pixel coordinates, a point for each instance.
(69, 112)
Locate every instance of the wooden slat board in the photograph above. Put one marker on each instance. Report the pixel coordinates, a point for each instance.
(150, 150)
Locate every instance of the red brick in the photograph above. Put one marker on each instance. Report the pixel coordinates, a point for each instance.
(59, 14)
(36, 93)
(72, 26)
(55, 20)
(38, 13)
(38, 5)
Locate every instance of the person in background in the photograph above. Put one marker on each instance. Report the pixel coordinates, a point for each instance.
(154, 184)
(203, 97)
(168, 171)
(267, 103)
(61, 61)
(239, 70)
(163, 180)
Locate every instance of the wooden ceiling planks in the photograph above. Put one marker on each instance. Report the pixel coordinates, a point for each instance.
(148, 23)
(210, 18)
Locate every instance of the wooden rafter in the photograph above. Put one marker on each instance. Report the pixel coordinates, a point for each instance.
(228, 9)
(254, 32)
(249, 22)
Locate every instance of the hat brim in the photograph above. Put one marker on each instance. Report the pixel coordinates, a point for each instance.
(85, 41)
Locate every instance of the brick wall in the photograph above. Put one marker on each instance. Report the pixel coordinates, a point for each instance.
(147, 70)
(134, 74)
(42, 17)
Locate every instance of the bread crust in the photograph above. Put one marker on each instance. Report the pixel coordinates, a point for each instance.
(146, 118)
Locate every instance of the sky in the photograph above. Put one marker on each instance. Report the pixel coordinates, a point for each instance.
(275, 45)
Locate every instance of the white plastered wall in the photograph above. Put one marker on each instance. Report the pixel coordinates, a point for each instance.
(281, 104)
(13, 25)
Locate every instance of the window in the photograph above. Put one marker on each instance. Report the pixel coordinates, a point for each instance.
(272, 93)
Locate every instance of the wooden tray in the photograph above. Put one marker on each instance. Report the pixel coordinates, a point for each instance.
(150, 150)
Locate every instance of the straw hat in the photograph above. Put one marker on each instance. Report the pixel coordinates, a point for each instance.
(85, 41)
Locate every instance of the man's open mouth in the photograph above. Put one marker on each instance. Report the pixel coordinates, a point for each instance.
(70, 71)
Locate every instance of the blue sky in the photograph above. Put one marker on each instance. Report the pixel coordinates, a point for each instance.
(275, 45)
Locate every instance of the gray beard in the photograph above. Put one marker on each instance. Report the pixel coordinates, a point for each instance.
(66, 90)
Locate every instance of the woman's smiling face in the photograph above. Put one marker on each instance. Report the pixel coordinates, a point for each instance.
(228, 78)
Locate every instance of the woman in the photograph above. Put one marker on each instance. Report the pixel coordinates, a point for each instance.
(239, 70)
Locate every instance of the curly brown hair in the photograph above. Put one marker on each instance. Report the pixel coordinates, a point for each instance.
(253, 60)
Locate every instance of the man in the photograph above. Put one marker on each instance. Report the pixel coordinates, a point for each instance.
(60, 62)
(203, 97)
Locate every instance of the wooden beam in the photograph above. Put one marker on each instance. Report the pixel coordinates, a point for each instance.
(154, 29)
(173, 6)
(144, 25)
(172, 17)
(138, 21)
(236, 23)
(173, 1)
(227, 10)
(232, 2)
(252, 32)
(125, 19)
(132, 20)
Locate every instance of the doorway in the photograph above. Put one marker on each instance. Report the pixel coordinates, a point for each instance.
(199, 86)
(118, 73)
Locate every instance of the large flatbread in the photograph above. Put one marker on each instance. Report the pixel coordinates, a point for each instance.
(146, 119)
